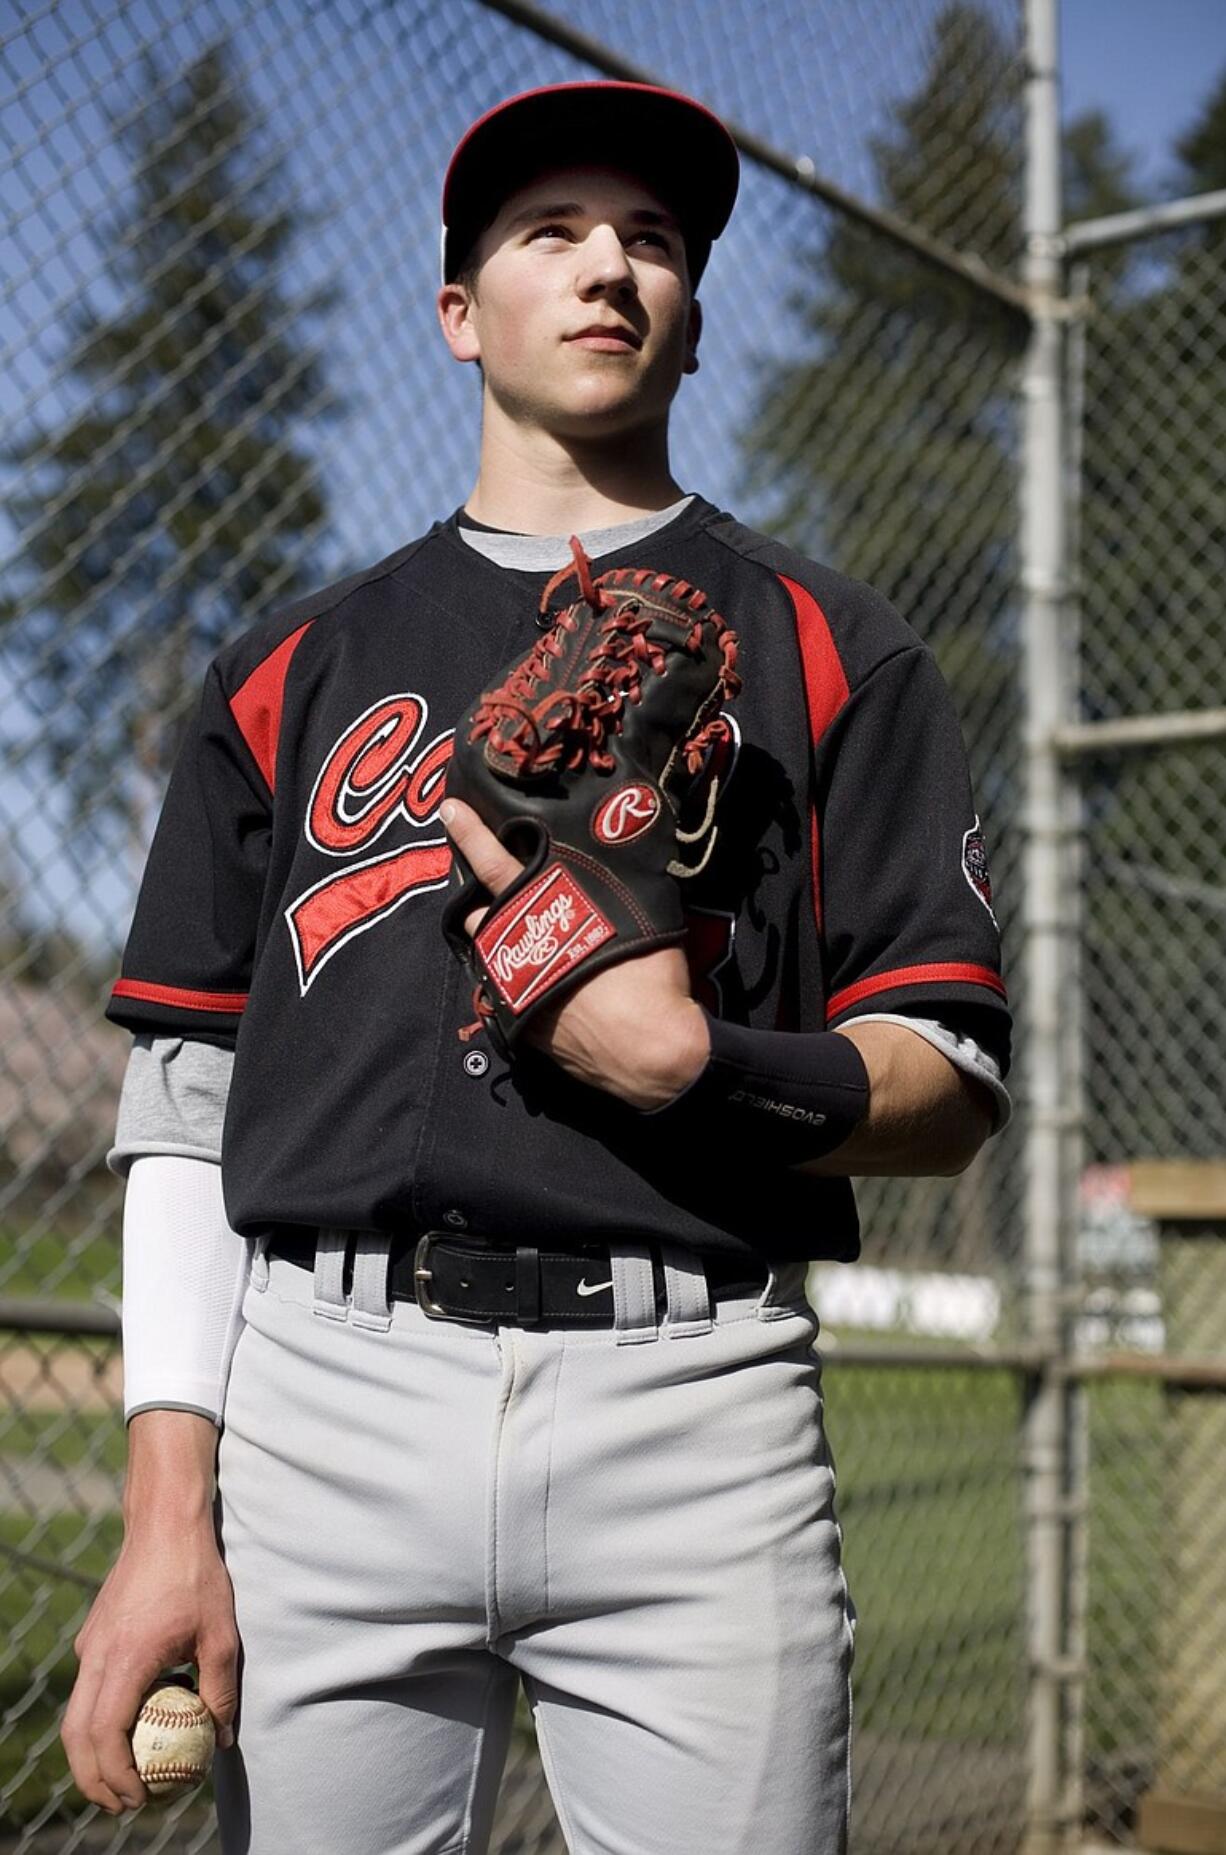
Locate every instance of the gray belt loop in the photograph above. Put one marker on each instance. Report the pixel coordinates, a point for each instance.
(329, 1293)
(785, 1286)
(259, 1262)
(634, 1293)
(372, 1308)
(689, 1294)
(527, 1283)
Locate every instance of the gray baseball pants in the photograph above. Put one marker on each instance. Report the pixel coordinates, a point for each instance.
(636, 1521)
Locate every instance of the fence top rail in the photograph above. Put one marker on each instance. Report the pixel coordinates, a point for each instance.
(797, 170)
(27, 1315)
(1135, 731)
(1144, 222)
(1194, 1372)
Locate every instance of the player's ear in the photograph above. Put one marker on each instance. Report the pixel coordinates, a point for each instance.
(454, 305)
(692, 335)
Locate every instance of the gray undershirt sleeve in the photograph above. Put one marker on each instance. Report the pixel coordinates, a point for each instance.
(173, 1100)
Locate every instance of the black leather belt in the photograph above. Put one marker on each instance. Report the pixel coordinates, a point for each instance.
(452, 1278)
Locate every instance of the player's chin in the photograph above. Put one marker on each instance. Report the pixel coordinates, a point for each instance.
(611, 404)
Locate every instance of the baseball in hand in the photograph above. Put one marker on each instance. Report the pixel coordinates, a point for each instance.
(172, 1741)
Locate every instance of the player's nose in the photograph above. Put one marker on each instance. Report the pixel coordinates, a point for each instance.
(603, 263)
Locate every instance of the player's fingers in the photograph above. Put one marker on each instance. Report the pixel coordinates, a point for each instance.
(490, 861)
(77, 1739)
(118, 1702)
(217, 1683)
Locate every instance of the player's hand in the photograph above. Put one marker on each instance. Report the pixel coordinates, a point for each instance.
(166, 1601)
(633, 1028)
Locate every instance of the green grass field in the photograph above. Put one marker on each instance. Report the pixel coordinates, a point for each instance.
(49, 1268)
(930, 1503)
(41, 1612)
(67, 1439)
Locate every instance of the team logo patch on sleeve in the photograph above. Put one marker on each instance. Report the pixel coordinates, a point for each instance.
(975, 865)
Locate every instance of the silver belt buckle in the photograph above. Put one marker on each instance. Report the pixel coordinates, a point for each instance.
(422, 1274)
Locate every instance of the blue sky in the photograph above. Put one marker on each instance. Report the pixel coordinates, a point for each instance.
(1149, 63)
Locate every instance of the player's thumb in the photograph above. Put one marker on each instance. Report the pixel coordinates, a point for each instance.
(489, 860)
(217, 1684)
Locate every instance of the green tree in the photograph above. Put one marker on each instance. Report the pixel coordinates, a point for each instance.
(888, 442)
(176, 503)
(1201, 153)
(894, 414)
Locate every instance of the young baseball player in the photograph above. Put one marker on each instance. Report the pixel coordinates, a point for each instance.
(504, 1365)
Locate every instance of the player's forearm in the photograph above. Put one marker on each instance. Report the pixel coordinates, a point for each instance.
(925, 1118)
(185, 1274)
(170, 1474)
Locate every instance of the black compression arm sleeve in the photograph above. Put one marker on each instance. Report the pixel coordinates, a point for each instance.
(794, 1094)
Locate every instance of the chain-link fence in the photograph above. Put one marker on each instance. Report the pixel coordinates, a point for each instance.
(223, 385)
(1147, 404)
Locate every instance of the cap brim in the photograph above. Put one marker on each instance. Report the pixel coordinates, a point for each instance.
(679, 147)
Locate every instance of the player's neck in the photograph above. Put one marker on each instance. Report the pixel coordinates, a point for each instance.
(534, 483)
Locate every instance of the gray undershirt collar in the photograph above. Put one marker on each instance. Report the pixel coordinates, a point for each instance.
(546, 553)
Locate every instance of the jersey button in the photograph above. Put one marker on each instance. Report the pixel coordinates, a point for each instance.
(456, 1219)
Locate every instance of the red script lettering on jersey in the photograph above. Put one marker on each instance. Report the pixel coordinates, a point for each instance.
(374, 773)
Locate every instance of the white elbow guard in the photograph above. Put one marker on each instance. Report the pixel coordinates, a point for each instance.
(185, 1273)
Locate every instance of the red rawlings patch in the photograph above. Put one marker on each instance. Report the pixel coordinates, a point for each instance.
(625, 814)
(541, 936)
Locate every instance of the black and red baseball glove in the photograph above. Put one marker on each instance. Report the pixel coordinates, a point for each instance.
(596, 760)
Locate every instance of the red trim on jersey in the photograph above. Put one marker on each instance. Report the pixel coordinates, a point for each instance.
(943, 971)
(825, 693)
(354, 899)
(256, 707)
(177, 995)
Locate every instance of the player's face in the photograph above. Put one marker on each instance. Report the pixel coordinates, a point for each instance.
(580, 248)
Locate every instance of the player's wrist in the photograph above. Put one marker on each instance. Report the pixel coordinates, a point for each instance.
(680, 1051)
(171, 1470)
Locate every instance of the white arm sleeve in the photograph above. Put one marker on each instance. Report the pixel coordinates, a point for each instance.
(963, 1052)
(185, 1273)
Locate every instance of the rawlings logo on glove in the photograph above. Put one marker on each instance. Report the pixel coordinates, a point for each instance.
(552, 928)
(624, 814)
(595, 761)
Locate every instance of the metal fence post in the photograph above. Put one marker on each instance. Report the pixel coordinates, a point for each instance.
(1052, 1508)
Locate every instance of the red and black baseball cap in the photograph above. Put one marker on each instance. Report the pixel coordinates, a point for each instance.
(677, 146)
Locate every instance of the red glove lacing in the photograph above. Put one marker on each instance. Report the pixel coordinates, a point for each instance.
(568, 727)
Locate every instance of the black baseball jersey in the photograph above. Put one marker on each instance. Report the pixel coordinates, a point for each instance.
(291, 901)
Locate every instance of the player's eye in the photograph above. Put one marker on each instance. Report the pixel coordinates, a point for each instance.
(558, 230)
(659, 238)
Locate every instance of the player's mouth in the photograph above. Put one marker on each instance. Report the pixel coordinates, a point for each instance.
(613, 338)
